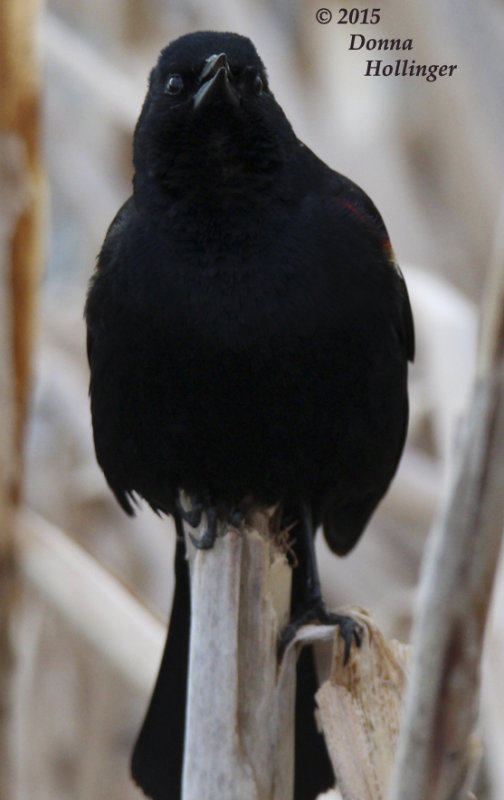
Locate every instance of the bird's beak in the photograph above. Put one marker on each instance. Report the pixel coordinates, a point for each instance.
(215, 83)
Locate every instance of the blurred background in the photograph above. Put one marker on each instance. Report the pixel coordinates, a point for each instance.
(430, 155)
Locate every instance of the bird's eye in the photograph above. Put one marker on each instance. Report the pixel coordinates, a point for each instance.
(174, 85)
(257, 85)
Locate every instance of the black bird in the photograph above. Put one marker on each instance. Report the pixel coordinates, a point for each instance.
(248, 338)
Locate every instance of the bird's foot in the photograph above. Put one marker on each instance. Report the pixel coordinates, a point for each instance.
(235, 518)
(194, 516)
(349, 628)
(207, 541)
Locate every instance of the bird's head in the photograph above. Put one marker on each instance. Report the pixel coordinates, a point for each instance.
(209, 121)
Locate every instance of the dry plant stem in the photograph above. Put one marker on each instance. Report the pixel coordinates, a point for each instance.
(20, 117)
(13, 197)
(359, 711)
(436, 750)
(239, 734)
(91, 601)
(20, 206)
(436, 754)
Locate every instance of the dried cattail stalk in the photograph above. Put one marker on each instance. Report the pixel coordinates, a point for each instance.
(359, 711)
(239, 736)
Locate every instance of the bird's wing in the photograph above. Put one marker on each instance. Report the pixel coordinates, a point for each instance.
(344, 522)
(357, 202)
(93, 313)
(106, 253)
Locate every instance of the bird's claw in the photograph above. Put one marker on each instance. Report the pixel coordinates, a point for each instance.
(236, 518)
(207, 541)
(349, 628)
(192, 516)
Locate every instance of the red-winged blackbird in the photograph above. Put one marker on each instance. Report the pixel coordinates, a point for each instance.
(248, 338)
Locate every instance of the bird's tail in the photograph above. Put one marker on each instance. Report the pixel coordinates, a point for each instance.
(156, 764)
(313, 770)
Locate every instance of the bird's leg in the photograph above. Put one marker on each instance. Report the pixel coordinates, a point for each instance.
(178, 520)
(313, 590)
(310, 606)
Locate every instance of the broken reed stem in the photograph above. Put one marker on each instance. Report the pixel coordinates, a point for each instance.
(240, 708)
(359, 709)
(437, 750)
